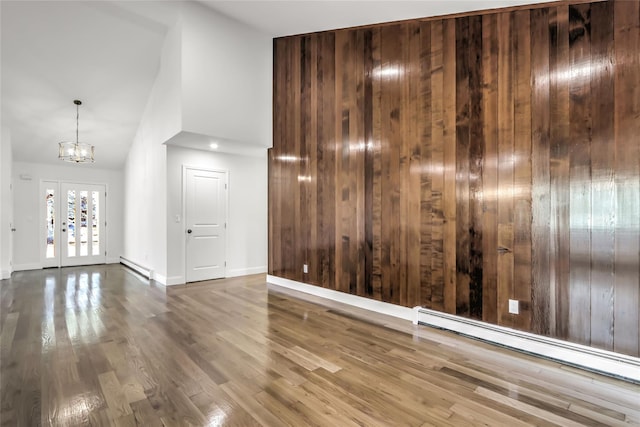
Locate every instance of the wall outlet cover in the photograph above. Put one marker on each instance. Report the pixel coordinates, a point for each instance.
(514, 307)
(305, 268)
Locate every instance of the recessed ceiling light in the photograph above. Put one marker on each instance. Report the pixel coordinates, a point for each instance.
(214, 145)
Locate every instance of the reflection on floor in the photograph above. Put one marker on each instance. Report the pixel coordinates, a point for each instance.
(100, 345)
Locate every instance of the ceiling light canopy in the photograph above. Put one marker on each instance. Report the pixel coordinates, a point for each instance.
(76, 152)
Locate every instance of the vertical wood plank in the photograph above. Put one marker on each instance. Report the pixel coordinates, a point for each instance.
(368, 163)
(347, 172)
(449, 196)
(438, 284)
(490, 168)
(627, 149)
(358, 250)
(404, 184)
(290, 205)
(426, 168)
(298, 254)
(559, 168)
(327, 159)
(342, 156)
(354, 172)
(273, 167)
(305, 148)
(463, 239)
(476, 163)
(376, 280)
(580, 174)
(505, 168)
(272, 228)
(542, 285)
(522, 168)
(413, 167)
(603, 205)
(312, 153)
(392, 51)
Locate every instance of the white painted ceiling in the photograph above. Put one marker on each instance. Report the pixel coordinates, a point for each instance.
(107, 53)
(281, 18)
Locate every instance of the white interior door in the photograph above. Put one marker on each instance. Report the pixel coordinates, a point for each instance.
(205, 221)
(81, 224)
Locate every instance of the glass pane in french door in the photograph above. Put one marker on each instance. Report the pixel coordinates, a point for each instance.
(50, 206)
(71, 223)
(95, 220)
(84, 234)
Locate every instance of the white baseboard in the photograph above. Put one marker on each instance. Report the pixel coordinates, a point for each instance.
(181, 280)
(113, 260)
(236, 272)
(592, 359)
(145, 271)
(175, 280)
(354, 300)
(160, 278)
(29, 266)
(5, 274)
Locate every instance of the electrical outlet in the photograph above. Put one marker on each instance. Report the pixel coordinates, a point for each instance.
(305, 268)
(514, 307)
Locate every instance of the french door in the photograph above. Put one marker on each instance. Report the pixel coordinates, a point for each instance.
(74, 232)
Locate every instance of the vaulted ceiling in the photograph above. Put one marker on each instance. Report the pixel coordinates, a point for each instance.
(107, 53)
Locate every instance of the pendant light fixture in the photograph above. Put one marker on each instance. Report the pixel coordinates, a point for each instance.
(76, 152)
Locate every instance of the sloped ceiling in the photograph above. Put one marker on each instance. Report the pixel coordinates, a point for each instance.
(282, 18)
(107, 53)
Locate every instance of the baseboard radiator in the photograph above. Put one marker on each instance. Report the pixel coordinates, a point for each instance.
(584, 357)
(146, 272)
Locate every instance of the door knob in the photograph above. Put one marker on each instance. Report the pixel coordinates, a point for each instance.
(189, 231)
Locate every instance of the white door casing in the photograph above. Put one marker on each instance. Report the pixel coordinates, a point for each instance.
(205, 223)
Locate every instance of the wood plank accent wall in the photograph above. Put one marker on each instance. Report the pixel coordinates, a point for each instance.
(457, 163)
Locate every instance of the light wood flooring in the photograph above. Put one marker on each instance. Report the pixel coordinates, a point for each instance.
(100, 345)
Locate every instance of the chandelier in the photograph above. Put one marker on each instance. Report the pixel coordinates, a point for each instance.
(76, 152)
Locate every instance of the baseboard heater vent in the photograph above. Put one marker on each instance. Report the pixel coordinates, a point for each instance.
(146, 272)
(592, 359)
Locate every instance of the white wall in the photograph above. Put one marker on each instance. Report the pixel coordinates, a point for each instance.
(214, 79)
(6, 204)
(226, 77)
(247, 221)
(145, 220)
(27, 203)
(145, 205)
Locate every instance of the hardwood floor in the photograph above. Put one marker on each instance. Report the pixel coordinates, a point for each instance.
(100, 345)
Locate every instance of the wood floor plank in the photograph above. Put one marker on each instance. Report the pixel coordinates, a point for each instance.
(239, 352)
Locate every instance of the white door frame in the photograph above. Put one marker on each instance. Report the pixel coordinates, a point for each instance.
(185, 168)
(56, 184)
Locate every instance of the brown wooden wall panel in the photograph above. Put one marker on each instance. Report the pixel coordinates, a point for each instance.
(627, 173)
(542, 293)
(580, 173)
(490, 169)
(457, 163)
(602, 177)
